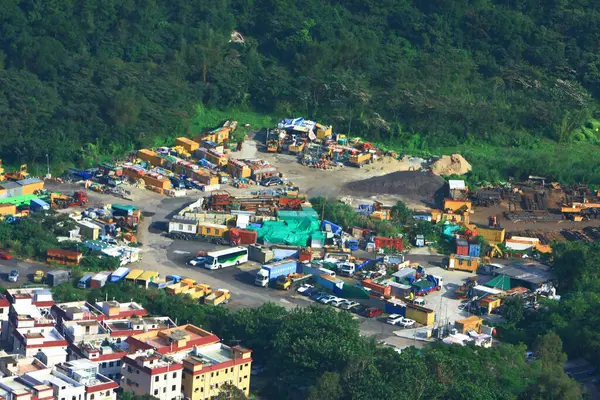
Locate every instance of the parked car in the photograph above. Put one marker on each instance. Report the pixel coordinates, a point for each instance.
(372, 312)
(197, 261)
(272, 181)
(406, 322)
(337, 302)
(349, 304)
(309, 291)
(393, 319)
(304, 288)
(358, 309)
(327, 299)
(5, 256)
(13, 276)
(318, 295)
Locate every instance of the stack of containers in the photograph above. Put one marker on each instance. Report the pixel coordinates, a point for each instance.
(189, 145)
(13, 189)
(150, 156)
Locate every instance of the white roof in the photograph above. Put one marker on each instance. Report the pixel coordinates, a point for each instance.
(54, 351)
(518, 246)
(481, 288)
(457, 184)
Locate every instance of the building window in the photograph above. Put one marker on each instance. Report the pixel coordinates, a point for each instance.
(201, 390)
(129, 370)
(92, 396)
(212, 374)
(164, 377)
(107, 393)
(174, 387)
(241, 367)
(111, 364)
(180, 227)
(196, 390)
(164, 390)
(156, 392)
(118, 363)
(156, 379)
(197, 377)
(174, 374)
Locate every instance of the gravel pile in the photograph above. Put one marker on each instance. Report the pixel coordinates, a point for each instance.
(419, 185)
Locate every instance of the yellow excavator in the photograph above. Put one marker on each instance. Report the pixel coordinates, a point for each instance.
(17, 175)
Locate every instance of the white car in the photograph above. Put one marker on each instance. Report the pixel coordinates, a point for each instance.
(406, 322)
(304, 288)
(327, 299)
(197, 261)
(347, 304)
(393, 319)
(337, 302)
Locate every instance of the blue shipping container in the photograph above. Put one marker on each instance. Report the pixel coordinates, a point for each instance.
(392, 308)
(38, 205)
(474, 249)
(282, 254)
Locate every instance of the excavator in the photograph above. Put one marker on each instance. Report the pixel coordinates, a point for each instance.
(17, 175)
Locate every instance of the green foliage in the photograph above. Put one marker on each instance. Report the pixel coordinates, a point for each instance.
(513, 310)
(345, 216)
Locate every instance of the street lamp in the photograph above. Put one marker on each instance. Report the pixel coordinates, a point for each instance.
(48, 176)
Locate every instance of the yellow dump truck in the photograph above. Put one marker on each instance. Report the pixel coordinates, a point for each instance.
(359, 159)
(296, 147)
(219, 296)
(180, 287)
(199, 291)
(291, 281)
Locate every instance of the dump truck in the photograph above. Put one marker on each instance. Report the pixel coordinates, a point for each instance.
(291, 281)
(274, 146)
(180, 287)
(219, 296)
(296, 147)
(359, 159)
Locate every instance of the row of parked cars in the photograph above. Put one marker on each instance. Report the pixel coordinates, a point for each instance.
(353, 306)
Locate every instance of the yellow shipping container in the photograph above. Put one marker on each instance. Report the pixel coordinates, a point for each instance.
(8, 209)
(212, 230)
(163, 183)
(492, 235)
(149, 156)
(323, 131)
(188, 144)
(422, 315)
(455, 205)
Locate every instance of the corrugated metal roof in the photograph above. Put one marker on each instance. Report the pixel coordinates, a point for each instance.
(28, 181)
(10, 185)
(456, 184)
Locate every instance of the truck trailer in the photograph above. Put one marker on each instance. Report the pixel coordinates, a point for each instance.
(270, 272)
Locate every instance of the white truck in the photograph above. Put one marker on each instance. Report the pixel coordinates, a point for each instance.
(347, 268)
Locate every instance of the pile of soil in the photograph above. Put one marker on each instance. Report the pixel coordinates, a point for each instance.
(419, 185)
(451, 165)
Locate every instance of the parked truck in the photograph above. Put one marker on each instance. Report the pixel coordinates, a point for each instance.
(291, 281)
(358, 160)
(119, 274)
(55, 278)
(219, 296)
(270, 272)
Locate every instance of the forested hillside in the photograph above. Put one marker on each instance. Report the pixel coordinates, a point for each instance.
(80, 77)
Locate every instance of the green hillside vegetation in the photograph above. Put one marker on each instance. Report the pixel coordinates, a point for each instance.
(81, 80)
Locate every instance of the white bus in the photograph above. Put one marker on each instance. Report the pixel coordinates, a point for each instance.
(226, 258)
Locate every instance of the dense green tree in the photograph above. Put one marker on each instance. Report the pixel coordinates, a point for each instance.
(513, 310)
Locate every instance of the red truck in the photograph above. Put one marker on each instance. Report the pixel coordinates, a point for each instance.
(239, 237)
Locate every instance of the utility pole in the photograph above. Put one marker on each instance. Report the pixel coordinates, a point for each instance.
(48, 176)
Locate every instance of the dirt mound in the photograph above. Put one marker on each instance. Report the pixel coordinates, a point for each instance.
(451, 165)
(419, 185)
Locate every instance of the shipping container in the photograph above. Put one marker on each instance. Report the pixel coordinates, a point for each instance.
(472, 323)
(31, 185)
(38, 205)
(242, 236)
(133, 275)
(382, 290)
(395, 306)
(158, 182)
(330, 282)
(260, 254)
(270, 272)
(84, 282)
(99, 280)
(462, 247)
(421, 315)
(474, 249)
(119, 274)
(66, 257)
(8, 209)
(492, 235)
(399, 290)
(238, 169)
(188, 144)
(463, 263)
(390, 243)
(55, 278)
(147, 277)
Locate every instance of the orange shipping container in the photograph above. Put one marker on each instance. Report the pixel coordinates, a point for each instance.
(376, 287)
(163, 183)
(147, 155)
(8, 209)
(205, 177)
(188, 144)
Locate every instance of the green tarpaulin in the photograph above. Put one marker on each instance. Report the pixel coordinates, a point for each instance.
(294, 232)
(500, 282)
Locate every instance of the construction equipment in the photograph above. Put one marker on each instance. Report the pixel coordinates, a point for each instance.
(274, 146)
(59, 200)
(297, 147)
(38, 276)
(291, 281)
(465, 289)
(17, 175)
(219, 296)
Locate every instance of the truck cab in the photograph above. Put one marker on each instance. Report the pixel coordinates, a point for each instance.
(262, 278)
(347, 269)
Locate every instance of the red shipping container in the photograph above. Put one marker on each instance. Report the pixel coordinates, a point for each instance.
(391, 243)
(462, 247)
(305, 256)
(376, 287)
(242, 236)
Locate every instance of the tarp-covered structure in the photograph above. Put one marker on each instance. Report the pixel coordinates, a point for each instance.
(295, 228)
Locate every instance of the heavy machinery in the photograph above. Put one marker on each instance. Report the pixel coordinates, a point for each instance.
(38, 276)
(291, 281)
(274, 146)
(359, 159)
(60, 200)
(17, 175)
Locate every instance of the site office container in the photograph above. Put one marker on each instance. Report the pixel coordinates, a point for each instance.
(158, 182)
(463, 263)
(391, 243)
(395, 306)
(65, 257)
(473, 323)
(212, 230)
(135, 173)
(462, 247)
(151, 157)
(493, 235)
(382, 290)
(242, 236)
(205, 177)
(260, 253)
(188, 144)
(422, 315)
(8, 209)
(31, 185)
(99, 280)
(238, 169)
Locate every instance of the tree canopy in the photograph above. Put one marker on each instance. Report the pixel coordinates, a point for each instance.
(90, 77)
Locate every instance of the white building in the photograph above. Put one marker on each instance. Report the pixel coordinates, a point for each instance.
(149, 372)
(30, 341)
